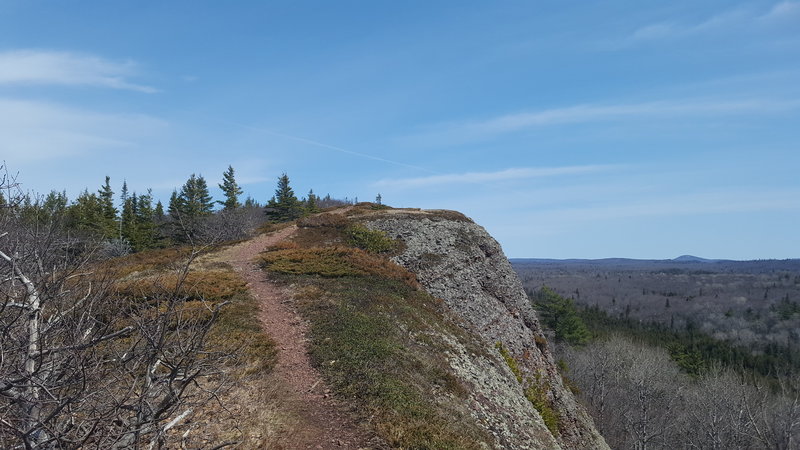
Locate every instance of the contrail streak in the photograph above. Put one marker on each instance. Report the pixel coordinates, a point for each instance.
(333, 147)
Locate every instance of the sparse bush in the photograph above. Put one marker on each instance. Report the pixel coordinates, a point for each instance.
(510, 361)
(536, 393)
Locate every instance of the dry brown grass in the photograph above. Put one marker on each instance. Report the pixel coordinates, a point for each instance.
(332, 220)
(257, 415)
(145, 261)
(212, 286)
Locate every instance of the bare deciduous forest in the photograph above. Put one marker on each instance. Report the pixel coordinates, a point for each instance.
(677, 354)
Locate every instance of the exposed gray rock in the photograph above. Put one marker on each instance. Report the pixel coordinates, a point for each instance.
(458, 261)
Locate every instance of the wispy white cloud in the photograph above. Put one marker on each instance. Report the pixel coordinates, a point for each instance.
(34, 131)
(666, 30)
(489, 177)
(732, 20)
(67, 68)
(782, 11)
(459, 132)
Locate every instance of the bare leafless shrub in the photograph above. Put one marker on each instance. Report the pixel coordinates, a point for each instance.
(80, 367)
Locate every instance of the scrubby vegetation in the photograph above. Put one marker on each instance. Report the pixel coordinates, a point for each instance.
(536, 390)
(374, 336)
(373, 241)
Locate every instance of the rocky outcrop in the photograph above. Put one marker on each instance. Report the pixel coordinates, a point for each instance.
(457, 261)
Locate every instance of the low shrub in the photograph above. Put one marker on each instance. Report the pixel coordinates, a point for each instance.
(536, 393)
(373, 241)
(334, 262)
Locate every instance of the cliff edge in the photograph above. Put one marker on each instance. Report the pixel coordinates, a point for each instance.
(457, 261)
(417, 321)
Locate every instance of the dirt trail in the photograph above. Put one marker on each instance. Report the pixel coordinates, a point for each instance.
(324, 424)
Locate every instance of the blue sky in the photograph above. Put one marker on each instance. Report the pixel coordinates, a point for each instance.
(566, 128)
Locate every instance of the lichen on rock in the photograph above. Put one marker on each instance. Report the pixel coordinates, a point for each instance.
(457, 261)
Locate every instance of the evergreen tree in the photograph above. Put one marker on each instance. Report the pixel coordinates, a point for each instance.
(195, 201)
(560, 315)
(145, 236)
(311, 203)
(174, 207)
(123, 195)
(86, 214)
(106, 199)
(284, 206)
(127, 224)
(231, 190)
(158, 212)
(249, 202)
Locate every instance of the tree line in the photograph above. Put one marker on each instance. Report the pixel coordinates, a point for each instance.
(141, 222)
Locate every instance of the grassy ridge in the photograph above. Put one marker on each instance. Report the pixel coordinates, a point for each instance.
(374, 336)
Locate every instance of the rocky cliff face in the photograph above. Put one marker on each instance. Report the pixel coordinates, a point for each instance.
(517, 393)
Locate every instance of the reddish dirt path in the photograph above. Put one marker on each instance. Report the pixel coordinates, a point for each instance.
(324, 422)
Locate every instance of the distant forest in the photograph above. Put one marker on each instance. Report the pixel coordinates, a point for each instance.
(677, 354)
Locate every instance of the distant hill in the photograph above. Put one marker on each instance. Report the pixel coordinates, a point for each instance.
(691, 258)
(685, 263)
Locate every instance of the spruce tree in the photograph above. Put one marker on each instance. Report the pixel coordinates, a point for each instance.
(311, 203)
(284, 206)
(158, 212)
(145, 223)
(231, 190)
(195, 201)
(86, 213)
(106, 198)
(174, 207)
(127, 224)
(249, 202)
(123, 195)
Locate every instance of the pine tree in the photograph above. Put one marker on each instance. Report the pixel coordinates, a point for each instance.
(127, 224)
(123, 195)
(174, 207)
(249, 202)
(311, 203)
(284, 206)
(195, 199)
(158, 212)
(106, 198)
(231, 190)
(86, 213)
(145, 223)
